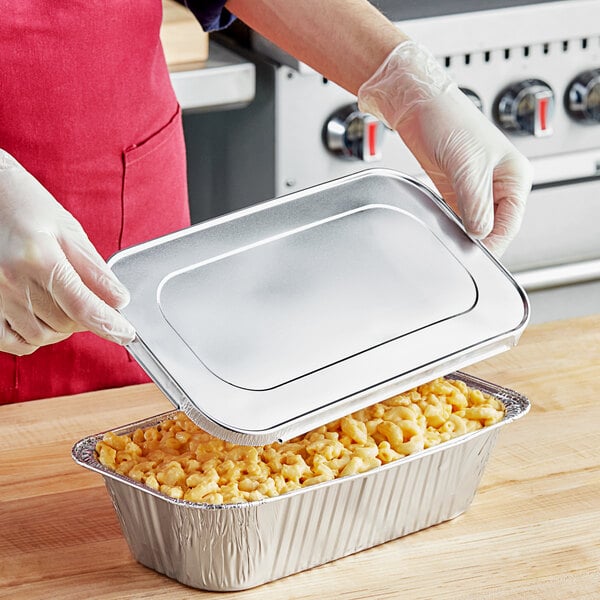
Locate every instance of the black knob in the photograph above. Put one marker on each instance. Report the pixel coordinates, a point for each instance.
(582, 99)
(526, 108)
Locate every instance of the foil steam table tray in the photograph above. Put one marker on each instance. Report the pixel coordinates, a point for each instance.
(270, 321)
(238, 546)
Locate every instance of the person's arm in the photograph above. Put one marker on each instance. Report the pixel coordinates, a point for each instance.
(474, 166)
(344, 40)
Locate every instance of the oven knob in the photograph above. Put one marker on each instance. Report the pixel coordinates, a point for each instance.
(350, 133)
(582, 99)
(473, 97)
(526, 108)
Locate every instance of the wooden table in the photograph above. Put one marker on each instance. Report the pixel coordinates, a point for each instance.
(533, 530)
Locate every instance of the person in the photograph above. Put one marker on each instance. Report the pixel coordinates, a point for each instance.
(93, 159)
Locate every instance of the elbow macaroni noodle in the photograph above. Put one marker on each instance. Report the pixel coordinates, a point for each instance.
(179, 459)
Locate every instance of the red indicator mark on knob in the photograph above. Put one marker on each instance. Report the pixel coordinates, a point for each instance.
(372, 137)
(542, 111)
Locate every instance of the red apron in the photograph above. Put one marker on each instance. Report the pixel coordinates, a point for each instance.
(86, 105)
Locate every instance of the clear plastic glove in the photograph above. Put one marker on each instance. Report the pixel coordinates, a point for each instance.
(52, 280)
(478, 172)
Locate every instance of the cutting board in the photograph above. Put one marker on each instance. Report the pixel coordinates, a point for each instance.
(184, 42)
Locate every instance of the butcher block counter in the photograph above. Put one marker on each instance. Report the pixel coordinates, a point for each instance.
(532, 531)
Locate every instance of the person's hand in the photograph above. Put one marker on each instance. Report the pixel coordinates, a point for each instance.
(52, 280)
(478, 172)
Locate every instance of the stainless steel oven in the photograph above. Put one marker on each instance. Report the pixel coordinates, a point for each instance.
(532, 67)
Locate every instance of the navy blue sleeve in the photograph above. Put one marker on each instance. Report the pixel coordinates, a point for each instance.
(211, 14)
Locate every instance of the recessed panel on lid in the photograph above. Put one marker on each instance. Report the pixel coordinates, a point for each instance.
(278, 310)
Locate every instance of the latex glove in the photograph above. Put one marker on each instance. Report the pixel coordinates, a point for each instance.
(478, 172)
(52, 280)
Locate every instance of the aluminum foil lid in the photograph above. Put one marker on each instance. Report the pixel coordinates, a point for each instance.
(270, 321)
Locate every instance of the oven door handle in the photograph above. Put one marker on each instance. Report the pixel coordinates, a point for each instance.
(555, 276)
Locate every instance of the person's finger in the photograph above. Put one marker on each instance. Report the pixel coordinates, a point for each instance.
(92, 269)
(85, 308)
(468, 170)
(506, 225)
(12, 342)
(512, 184)
(24, 322)
(33, 295)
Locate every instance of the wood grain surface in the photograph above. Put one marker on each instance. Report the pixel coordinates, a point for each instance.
(184, 43)
(532, 531)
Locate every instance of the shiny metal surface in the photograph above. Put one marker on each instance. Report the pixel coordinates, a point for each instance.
(234, 547)
(292, 305)
(582, 99)
(569, 274)
(222, 82)
(267, 322)
(526, 108)
(536, 246)
(353, 135)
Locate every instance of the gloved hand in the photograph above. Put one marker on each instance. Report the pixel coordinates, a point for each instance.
(478, 172)
(52, 280)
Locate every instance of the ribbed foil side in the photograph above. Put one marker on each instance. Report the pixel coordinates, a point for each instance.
(241, 546)
(234, 547)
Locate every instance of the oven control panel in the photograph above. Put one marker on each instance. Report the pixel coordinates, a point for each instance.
(533, 73)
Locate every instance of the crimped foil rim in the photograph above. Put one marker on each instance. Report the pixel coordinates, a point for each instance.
(516, 405)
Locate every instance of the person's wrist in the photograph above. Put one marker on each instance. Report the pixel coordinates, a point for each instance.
(410, 75)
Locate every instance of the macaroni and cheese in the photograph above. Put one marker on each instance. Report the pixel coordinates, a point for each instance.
(179, 459)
